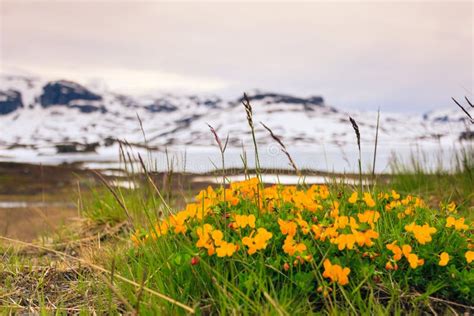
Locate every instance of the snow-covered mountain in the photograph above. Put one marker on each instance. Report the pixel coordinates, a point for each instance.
(37, 114)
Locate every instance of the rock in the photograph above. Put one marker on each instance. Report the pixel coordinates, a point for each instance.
(10, 101)
(109, 141)
(62, 92)
(76, 148)
(467, 135)
(66, 148)
(86, 106)
(161, 105)
(186, 122)
(270, 98)
(210, 102)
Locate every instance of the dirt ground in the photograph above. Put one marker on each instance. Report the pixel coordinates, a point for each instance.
(38, 200)
(29, 223)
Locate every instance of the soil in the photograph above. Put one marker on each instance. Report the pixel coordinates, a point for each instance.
(37, 200)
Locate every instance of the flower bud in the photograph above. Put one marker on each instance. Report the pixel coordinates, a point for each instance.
(194, 261)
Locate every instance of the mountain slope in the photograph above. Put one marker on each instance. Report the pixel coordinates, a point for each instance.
(37, 114)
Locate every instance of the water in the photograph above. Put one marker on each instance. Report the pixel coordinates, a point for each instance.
(280, 179)
(194, 159)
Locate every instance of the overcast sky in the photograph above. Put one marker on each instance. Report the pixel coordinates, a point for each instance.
(401, 56)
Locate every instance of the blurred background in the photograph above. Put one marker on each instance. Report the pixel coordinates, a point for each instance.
(76, 75)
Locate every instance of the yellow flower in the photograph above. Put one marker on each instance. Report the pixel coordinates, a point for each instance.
(334, 209)
(319, 191)
(317, 230)
(389, 266)
(353, 223)
(392, 205)
(210, 249)
(345, 241)
(451, 207)
(330, 232)
(369, 217)
(258, 242)
(209, 193)
(199, 210)
(243, 221)
(225, 249)
(204, 236)
(290, 246)
(395, 195)
(191, 209)
(136, 238)
(262, 237)
(247, 188)
(408, 210)
(365, 238)
(397, 251)
(443, 259)
(336, 273)
(230, 198)
(303, 201)
(354, 197)
(368, 200)
(287, 227)
(303, 224)
(414, 261)
(217, 235)
(419, 202)
(421, 233)
(469, 256)
(457, 223)
(160, 229)
(406, 250)
(203, 230)
(410, 227)
(341, 222)
(450, 221)
(178, 222)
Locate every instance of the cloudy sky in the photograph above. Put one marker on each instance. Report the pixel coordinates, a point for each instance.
(400, 56)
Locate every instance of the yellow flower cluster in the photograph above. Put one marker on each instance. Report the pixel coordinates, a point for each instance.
(290, 224)
(458, 224)
(405, 251)
(336, 273)
(242, 221)
(469, 256)
(257, 242)
(443, 259)
(405, 207)
(212, 240)
(367, 198)
(421, 233)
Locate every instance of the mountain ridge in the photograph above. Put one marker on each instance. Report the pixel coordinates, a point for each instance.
(37, 113)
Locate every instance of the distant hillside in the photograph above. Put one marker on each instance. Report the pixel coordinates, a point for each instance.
(35, 113)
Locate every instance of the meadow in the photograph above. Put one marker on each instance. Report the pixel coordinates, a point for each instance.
(399, 243)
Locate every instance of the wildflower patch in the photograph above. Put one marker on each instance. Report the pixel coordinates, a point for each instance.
(329, 238)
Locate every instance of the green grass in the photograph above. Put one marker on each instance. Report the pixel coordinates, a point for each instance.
(246, 285)
(239, 285)
(437, 185)
(113, 276)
